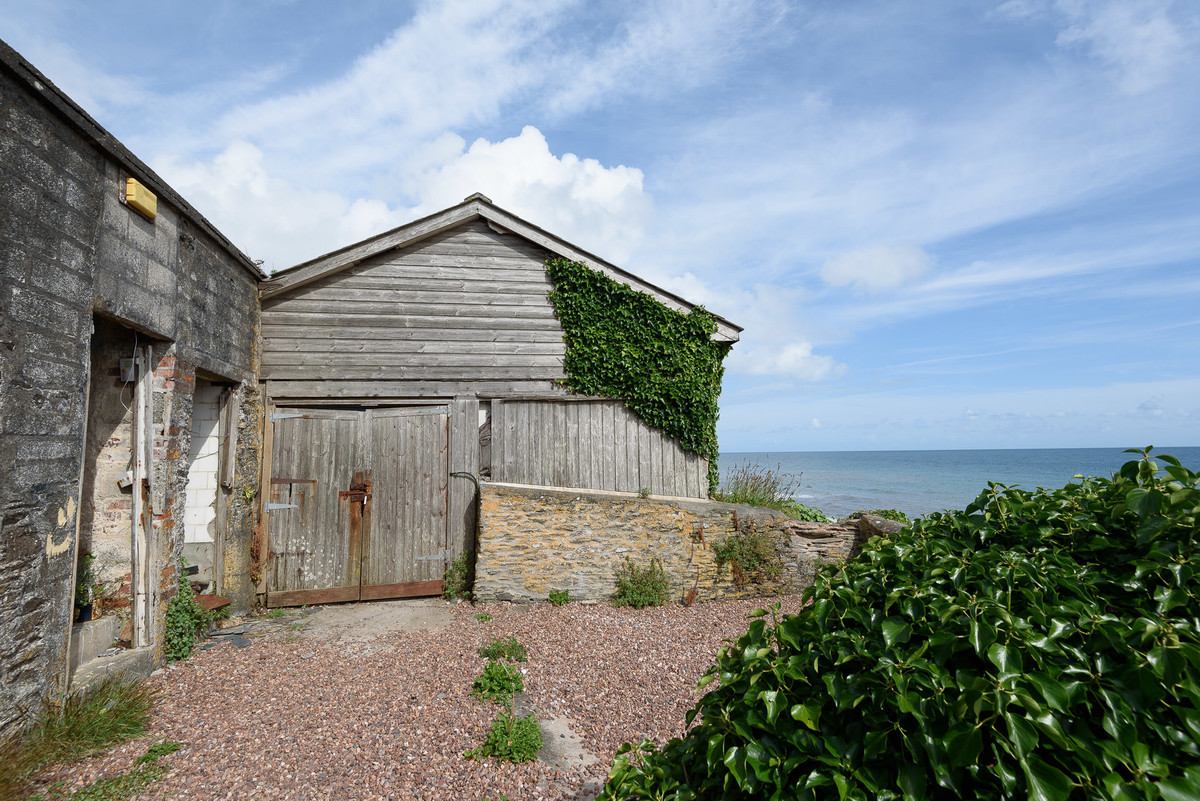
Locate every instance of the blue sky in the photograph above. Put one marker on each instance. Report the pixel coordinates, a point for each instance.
(943, 224)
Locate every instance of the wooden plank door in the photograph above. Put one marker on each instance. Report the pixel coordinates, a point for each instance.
(314, 524)
(405, 547)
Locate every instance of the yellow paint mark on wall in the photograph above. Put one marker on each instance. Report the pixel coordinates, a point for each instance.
(66, 515)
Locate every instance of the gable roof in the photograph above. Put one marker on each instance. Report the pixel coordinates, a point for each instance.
(475, 207)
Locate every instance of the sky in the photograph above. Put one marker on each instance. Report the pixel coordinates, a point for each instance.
(942, 223)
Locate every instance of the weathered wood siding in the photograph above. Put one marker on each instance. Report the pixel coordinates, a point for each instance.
(592, 445)
(463, 308)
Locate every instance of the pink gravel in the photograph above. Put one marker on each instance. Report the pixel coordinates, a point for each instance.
(390, 719)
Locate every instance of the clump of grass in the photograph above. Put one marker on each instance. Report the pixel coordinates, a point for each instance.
(639, 586)
(508, 648)
(560, 597)
(756, 485)
(112, 712)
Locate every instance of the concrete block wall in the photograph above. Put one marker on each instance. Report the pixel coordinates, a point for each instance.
(533, 541)
(71, 252)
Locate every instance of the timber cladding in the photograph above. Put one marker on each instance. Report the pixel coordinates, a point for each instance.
(466, 307)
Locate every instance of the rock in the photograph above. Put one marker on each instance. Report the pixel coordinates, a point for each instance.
(875, 526)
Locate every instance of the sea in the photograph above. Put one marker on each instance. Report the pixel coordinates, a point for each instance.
(919, 482)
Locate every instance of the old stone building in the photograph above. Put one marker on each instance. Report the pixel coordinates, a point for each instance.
(128, 330)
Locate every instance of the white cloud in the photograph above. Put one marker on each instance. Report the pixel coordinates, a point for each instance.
(794, 360)
(268, 217)
(601, 209)
(877, 268)
(1136, 38)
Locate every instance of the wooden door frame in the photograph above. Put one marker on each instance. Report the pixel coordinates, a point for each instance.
(358, 592)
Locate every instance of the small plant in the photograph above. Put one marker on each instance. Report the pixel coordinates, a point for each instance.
(887, 514)
(458, 579)
(756, 485)
(643, 492)
(112, 712)
(275, 614)
(507, 648)
(511, 739)
(641, 586)
(751, 557)
(145, 772)
(560, 597)
(483, 617)
(186, 620)
(498, 683)
(85, 579)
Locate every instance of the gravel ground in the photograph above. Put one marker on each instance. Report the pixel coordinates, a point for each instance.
(296, 718)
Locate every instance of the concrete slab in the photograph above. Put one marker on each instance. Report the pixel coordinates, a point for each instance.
(358, 623)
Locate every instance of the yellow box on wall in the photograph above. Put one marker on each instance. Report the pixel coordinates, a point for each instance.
(141, 198)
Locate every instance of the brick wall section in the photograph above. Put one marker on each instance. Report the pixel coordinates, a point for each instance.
(533, 541)
(70, 250)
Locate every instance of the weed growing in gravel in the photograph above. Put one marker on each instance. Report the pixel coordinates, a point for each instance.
(186, 621)
(275, 614)
(512, 739)
(560, 597)
(507, 648)
(498, 683)
(459, 576)
(483, 617)
(146, 771)
(112, 712)
(641, 586)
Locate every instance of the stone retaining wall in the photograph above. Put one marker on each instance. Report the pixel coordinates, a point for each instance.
(535, 540)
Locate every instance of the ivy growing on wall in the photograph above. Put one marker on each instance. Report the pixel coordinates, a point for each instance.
(624, 344)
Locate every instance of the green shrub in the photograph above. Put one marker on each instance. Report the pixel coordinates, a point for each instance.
(508, 648)
(511, 739)
(111, 712)
(459, 577)
(1038, 645)
(641, 586)
(887, 514)
(498, 683)
(560, 597)
(751, 557)
(186, 620)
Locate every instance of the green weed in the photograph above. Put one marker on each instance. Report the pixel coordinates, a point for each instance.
(639, 586)
(507, 648)
(498, 683)
(511, 739)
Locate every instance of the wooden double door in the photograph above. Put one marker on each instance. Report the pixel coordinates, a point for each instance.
(358, 505)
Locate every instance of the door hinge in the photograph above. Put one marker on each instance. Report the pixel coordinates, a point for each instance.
(271, 507)
(276, 415)
(431, 557)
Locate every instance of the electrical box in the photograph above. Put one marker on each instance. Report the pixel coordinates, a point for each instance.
(128, 371)
(141, 198)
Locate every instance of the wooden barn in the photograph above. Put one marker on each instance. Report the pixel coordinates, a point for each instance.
(399, 370)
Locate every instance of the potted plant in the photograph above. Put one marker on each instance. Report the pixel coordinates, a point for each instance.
(85, 580)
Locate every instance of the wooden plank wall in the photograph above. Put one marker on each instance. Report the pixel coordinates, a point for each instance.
(462, 309)
(464, 458)
(593, 444)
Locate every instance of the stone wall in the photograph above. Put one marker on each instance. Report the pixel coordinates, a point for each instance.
(533, 541)
(72, 253)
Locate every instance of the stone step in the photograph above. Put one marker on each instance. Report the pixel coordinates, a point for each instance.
(90, 639)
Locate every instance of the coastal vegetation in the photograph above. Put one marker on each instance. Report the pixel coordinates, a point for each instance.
(1037, 645)
(757, 485)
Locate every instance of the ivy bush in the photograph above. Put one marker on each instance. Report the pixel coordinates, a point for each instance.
(624, 344)
(1041, 645)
